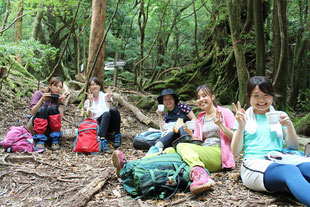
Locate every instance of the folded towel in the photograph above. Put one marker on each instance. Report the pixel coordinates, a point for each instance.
(251, 124)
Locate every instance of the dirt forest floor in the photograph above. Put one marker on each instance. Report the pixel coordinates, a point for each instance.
(64, 178)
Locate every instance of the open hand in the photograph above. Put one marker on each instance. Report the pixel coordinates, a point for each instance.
(240, 114)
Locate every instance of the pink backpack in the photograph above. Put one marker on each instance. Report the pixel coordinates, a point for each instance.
(18, 139)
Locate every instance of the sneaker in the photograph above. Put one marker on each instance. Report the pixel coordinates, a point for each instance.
(117, 140)
(40, 146)
(104, 145)
(118, 161)
(55, 147)
(201, 180)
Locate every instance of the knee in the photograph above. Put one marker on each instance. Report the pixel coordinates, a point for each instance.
(285, 169)
(53, 109)
(304, 166)
(181, 146)
(30, 125)
(41, 113)
(114, 110)
(106, 115)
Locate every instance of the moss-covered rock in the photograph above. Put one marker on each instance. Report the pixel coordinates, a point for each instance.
(303, 125)
(147, 103)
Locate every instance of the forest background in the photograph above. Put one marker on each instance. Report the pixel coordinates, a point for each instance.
(166, 44)
(176, 44)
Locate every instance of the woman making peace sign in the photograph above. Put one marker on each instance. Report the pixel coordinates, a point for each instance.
(259, 138)
(214, 128)
(99, 106)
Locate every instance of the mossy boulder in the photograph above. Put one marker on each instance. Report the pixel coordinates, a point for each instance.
(303, 125)
(147, 103)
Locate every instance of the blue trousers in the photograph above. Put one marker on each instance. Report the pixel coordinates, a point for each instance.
(295, 178)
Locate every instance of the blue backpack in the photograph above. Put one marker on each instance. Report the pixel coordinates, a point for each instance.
(159, 176)
(146, 139)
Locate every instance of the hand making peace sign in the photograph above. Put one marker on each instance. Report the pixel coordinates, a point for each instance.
(240, 114)
(109, 92)
(89, 95)
(218, 117)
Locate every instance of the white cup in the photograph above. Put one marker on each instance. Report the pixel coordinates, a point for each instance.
(273, 117)
(161, 107)
(190, 125)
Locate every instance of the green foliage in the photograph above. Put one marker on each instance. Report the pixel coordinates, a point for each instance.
(33, 53)
(303, 101)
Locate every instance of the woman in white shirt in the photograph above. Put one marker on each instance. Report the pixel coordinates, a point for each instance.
(99, 106)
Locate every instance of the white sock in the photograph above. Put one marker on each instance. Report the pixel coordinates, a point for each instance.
(160, 146)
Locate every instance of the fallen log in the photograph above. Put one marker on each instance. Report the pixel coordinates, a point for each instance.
(85, 194)
(135, 110)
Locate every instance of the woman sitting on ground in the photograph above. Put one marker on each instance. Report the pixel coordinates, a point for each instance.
(175, 111)
(259, 138)
(47, 110)
(99, 106)
(214, 129)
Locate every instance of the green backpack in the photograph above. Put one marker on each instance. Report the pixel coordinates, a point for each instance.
(160, 176)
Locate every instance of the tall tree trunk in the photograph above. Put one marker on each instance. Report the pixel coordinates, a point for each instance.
(280, 81)
(96, 35)
(142, 21)
(195, 31)
(177, 45)
(18, 27)
(37, 27)
(259, 37)
(84, 53)
(276, 38)
(234, 13)
(249, 17)
(78, 54)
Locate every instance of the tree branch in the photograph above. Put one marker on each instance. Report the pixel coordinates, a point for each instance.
(21, 16)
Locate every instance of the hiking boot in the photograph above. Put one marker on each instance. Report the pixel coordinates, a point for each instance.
(201, 180)
(104, 145)
(118, 161)
(40, 146)
(117, 140)
(55, 147)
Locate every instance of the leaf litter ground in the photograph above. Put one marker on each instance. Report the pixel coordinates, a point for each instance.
(64, 178)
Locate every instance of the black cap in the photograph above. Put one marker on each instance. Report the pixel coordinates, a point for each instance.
(168, 92)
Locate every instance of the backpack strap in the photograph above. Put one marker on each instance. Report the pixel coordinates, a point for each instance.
(151, 188)
(176, 176)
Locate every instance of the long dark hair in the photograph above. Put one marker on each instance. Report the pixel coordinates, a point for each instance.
(263, 83)
(207, 89)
